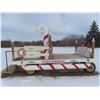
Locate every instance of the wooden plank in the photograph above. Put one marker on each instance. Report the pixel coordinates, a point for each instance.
(10, 70)
(66, 56)
(36, 55)
(31, 48)
(35, 48)
(32, 55)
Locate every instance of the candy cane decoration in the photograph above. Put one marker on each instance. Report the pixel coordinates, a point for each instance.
(46, 39)
(43, 30)
(55, 67)
(46, 44)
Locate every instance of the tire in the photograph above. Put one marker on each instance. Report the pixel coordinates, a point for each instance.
(30, 72)
(90, 68)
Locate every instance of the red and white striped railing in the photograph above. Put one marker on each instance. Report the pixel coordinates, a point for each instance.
(54, 67)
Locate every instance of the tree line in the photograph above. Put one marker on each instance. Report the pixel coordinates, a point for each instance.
(67, 41)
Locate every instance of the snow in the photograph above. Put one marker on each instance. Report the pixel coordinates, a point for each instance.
(50, 80)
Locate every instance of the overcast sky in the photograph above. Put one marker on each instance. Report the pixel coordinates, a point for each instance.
(23, 26)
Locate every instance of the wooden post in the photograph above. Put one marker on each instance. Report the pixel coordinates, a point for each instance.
(76, 45)
(12, 46)
(93, 47)
(6, 61)
(50, 47)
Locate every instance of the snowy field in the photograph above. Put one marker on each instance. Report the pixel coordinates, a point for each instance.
(52, 81)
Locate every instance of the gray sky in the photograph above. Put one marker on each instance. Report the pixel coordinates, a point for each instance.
(23, 26)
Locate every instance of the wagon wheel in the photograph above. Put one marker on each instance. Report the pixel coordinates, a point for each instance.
(90, 68)
(30, 72)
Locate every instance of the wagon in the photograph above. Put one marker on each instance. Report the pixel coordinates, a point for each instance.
(33, 58)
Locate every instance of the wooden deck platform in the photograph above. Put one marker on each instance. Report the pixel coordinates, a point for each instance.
(56, 56)
(67, 56)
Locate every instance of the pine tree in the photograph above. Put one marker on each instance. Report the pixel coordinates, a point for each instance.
(93, 33)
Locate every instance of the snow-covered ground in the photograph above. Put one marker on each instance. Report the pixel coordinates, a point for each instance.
(52, 81)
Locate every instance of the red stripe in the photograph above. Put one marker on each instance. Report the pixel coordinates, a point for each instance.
(39, 67)
(45, 50)
(86, 65)
(46, 36)
(64, 67)
(76, 66)
(53, 68)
